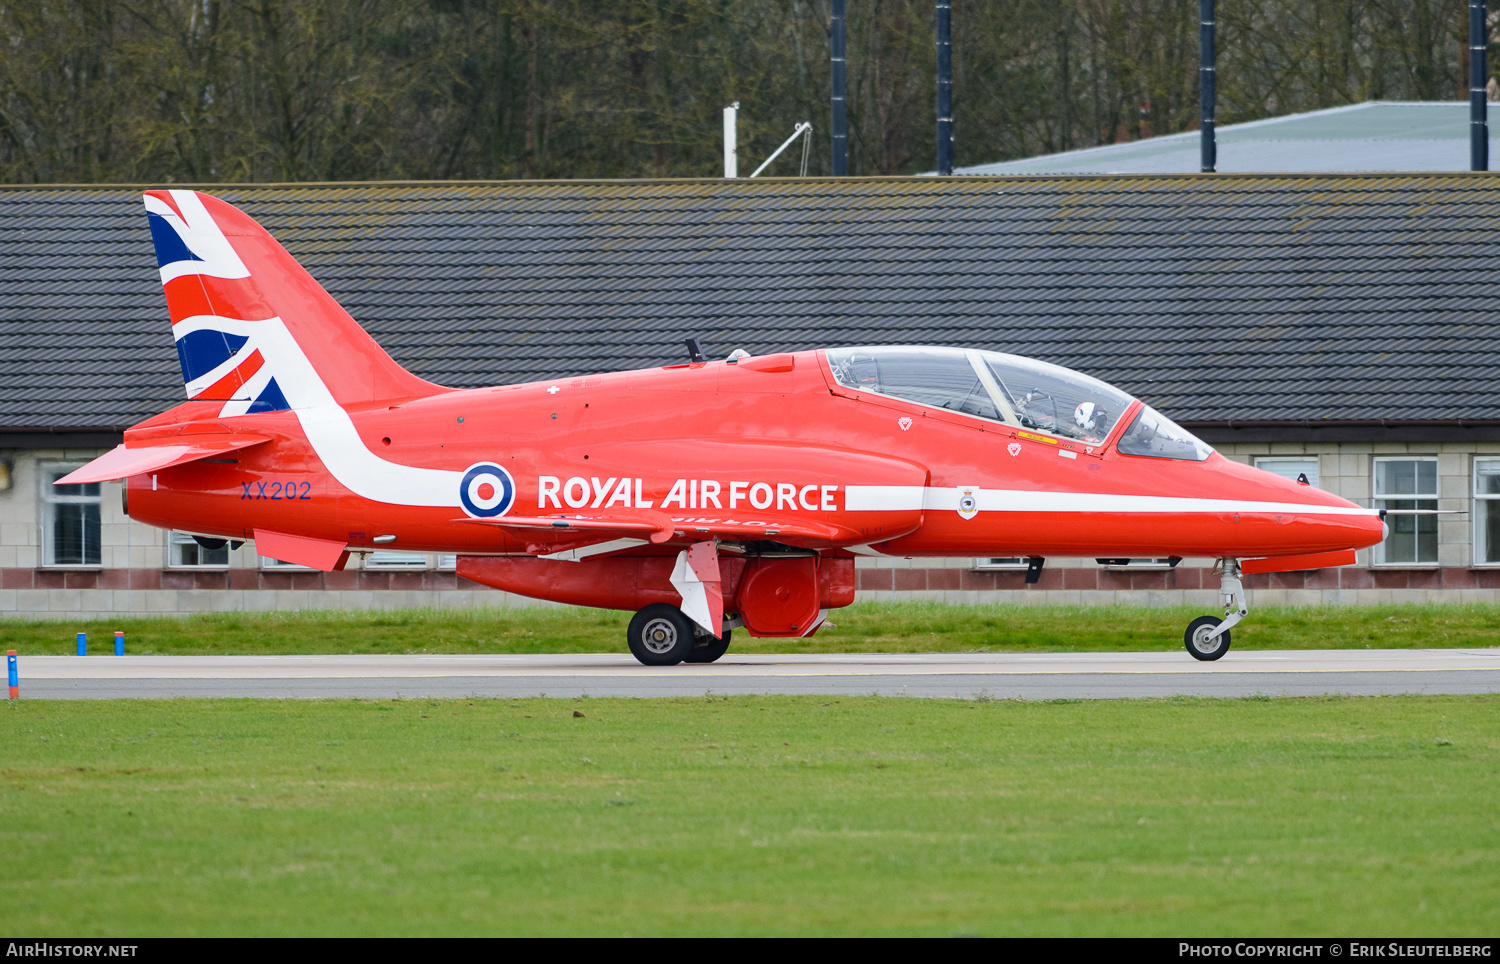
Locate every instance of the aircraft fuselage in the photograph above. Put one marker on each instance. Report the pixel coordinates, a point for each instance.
(715, 441)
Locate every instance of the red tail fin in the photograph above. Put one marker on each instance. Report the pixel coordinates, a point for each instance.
(224, 275)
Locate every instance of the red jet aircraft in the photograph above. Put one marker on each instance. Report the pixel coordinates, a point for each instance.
(704, 496)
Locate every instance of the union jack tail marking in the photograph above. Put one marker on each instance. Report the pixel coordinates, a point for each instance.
(255, 333)
(217, 312)
(253, 329)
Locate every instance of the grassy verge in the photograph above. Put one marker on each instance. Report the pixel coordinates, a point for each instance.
(768, 815)
(867, 627)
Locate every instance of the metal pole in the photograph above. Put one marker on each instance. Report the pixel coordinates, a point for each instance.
(839, 122)
(1206, 87)
(1479, 129)
(731, 146)
(804, 126)
(944, 88)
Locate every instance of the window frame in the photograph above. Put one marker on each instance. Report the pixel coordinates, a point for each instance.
(172, 535)
(1143, 564)
(368, 561)
(50, 498)
(1260, 462)
(994, 564)
(1477, 497)
(1377, 501)
(271, 564)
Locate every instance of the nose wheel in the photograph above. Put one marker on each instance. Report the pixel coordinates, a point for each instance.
(1201, 641)
(1207, 637)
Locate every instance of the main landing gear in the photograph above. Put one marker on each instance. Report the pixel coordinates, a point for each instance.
(663, 635)
(1207, 637)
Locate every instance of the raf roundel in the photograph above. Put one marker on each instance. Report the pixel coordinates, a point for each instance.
(486, 490)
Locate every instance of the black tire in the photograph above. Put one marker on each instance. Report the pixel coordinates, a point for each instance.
(660, 635)
(708, 649)
(1197, 646)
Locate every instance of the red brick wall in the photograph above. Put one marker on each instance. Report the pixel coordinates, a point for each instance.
(908, 580)
(916, 580)
(228, 579)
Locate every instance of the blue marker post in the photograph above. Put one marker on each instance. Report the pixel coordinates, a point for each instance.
(119, 643)
(83, 644)
(15, 679)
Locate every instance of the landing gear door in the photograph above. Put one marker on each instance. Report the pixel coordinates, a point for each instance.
(779, 595)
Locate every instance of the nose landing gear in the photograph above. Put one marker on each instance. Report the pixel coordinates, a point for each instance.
(1207, 637)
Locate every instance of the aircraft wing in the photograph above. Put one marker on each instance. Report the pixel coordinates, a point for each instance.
(136, 458)
(658, 527)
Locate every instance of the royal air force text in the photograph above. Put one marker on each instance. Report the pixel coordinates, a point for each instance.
(554, 492)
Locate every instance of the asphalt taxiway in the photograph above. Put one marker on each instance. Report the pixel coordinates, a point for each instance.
(959, 675)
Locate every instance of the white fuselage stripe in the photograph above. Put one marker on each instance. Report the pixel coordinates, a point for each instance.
(907, 498)
(328, 428)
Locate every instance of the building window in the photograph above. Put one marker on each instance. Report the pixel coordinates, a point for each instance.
(266, 562)
(1486, 512)
(1157, 563)
(395, 560)
(447, 561)
(1408, 490)
(1001, 562)
(184, 552)
(70, 520)
(1291, 468)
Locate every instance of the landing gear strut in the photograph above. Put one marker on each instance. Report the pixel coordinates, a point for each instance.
(707, 649)
(1207, 637)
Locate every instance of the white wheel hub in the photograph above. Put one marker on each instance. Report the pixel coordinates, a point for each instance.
(659, 636)
(1201, 641)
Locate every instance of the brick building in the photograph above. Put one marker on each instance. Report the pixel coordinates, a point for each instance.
(1328, 325)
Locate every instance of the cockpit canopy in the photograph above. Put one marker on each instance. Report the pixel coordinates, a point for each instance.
(1019, 391)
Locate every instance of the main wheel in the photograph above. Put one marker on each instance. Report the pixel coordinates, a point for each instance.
(708, 649)
(660, 635)
(1197, 641)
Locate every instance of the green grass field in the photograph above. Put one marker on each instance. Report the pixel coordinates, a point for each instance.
(754, 815)
(864, 628)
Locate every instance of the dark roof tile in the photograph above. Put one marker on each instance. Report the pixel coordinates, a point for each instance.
(1249, 298)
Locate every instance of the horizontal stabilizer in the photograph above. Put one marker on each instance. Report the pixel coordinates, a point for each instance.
(302, 551)
(1315, 560)
(137, 458)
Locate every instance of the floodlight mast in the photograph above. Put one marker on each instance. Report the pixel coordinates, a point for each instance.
(944, 89)
(1207, 86)
(1479, 133)
(838, 104)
